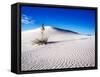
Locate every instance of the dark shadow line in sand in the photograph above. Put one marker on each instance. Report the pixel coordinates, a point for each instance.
(53, 42)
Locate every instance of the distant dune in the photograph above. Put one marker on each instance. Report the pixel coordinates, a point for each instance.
(65, 49)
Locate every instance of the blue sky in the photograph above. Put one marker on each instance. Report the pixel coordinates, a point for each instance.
(81, 21)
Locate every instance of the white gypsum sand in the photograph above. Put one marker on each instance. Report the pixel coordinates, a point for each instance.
(65, 49)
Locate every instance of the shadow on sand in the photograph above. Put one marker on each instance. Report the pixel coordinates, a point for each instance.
(53, 42)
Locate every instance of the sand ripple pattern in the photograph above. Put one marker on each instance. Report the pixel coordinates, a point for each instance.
(66, 54)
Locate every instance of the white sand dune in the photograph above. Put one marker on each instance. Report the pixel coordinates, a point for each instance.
(65, 49)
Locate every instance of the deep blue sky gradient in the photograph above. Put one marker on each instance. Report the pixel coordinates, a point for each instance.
(81, 21)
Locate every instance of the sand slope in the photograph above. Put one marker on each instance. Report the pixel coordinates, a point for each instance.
(68, 50)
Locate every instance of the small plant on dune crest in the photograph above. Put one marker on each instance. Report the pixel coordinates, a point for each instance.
(42, 40)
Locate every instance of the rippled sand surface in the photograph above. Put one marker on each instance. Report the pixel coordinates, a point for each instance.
(69, 53)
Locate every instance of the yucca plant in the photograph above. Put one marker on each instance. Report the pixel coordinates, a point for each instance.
(43, 39)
